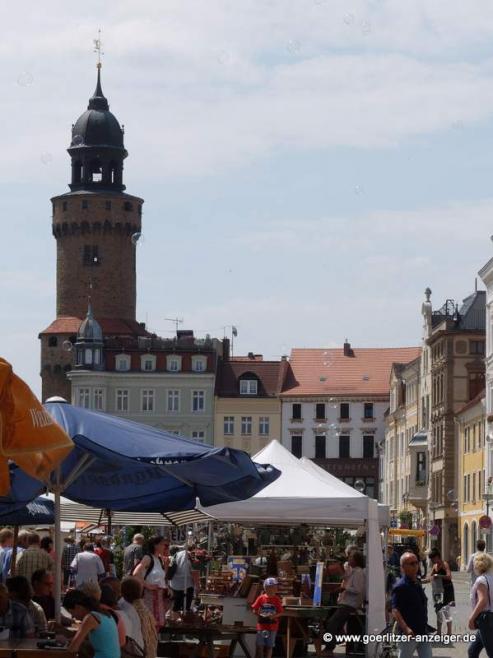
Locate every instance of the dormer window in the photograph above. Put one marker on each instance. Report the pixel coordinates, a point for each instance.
(248, 387)
(199, 363)
(173, 363)
(148, 363)
(122, 362)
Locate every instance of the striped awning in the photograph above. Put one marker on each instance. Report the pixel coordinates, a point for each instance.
(72, 512)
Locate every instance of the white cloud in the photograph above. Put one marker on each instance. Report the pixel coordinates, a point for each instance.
(203, 87)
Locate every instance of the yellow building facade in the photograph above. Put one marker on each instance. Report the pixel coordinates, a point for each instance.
(471, 423)
(247, 412)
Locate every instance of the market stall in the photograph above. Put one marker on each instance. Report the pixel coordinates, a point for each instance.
(299, 496)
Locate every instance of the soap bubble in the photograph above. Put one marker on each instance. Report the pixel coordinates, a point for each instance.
(224, 57)
(349, 19)
(366, 27)
(293, 47)
(25, 79)
(135, 237)
(67, 346)
(77, 140)
(46, 158)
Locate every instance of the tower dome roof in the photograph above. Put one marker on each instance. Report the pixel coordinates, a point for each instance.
(90, 330)
(97, 126)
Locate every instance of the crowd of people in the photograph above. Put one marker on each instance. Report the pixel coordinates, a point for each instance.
(409, 603)
(113, 616)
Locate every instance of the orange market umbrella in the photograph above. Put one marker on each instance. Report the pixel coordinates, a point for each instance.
(28, 434)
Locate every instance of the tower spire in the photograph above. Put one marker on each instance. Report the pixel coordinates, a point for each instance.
(98, 100)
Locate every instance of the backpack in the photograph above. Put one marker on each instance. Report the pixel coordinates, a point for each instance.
(150, 567)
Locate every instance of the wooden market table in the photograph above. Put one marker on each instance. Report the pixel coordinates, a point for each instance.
(295, 614)
(207, 634)
(29, 649)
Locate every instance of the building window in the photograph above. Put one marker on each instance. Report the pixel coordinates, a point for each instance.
(127, 206)
(297, 446)
(147, 400)
(107, 205)
(263, 426)
(344, 411)
(122, 400)
(199, 363)
(52, 341)
(85, 204)
(421, 467)
(343, 447)
(84, 398)
(198, 435)
(368, 447)
(248, 387)
(91, 255)
(64, 206)
(173, 363)
(246, 425)
(173, 403)
(122, 362)
(229, 425)
(296, 411)
(148, 363)
(476, 347)
(320, 411)
(320, 443)
(368, 411)
(198, 401)
(98, 399)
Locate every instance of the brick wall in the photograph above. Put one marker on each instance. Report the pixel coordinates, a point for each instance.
(111, 281)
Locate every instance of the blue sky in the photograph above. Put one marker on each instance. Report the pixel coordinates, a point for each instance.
(308, 167)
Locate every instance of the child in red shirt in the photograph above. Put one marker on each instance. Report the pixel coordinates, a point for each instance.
(268, 608)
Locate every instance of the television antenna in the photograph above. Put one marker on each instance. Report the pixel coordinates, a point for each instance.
(177, 321)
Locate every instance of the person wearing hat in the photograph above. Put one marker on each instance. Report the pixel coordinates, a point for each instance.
(268, 608)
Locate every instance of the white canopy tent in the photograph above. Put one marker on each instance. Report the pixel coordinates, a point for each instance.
(300, 495)
(325, 476)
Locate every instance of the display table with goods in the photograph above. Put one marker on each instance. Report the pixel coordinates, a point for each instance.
(175, 640)
(31, 649)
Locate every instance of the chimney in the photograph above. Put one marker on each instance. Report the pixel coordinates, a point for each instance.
(347, 348)
(251, 356)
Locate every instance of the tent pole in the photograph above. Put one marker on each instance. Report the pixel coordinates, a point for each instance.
(58, 549)
(209, 548)
(14, 550)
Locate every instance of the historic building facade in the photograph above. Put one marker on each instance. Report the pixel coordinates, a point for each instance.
(333, 408)
(486, 274)
(456, 341)
(166, 383)
(405, 450)
(248, 406)
(471, 425)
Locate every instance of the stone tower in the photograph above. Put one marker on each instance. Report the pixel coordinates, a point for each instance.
(96, 227)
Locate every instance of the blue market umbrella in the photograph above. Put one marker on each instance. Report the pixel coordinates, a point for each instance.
(121, 465)
(40, 511)
(23, 490)
(117, 464)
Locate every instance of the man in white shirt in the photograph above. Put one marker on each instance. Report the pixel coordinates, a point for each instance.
(480, 548)
(87, 566)
(131, 591)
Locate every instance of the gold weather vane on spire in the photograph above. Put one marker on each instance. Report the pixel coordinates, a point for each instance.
(98, 44)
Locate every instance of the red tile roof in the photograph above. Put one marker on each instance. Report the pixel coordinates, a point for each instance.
(328, 371)
(267, 372)
(110, 326)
